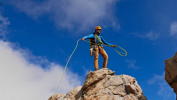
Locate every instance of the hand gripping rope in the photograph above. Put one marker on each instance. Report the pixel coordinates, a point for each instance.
(119, 50)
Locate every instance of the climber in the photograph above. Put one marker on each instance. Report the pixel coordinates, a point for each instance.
(96, 47)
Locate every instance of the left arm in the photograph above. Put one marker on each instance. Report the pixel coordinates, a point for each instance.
(106, 43)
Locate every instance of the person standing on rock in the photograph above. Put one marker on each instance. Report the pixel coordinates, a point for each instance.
(96, 47)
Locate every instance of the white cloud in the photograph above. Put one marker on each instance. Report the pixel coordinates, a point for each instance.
(4, 22)
(20, 79)
(173, 29)
(132, 64)
(71, 14)
(164, 88)
(150, 35)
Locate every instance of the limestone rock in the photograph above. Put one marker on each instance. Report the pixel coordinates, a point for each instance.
(56, 96)
(69, 96)
(104, 85)
(171, 72)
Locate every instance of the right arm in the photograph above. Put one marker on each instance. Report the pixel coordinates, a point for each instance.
(88, 37)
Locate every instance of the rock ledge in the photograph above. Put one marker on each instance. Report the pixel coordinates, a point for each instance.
(104, 85)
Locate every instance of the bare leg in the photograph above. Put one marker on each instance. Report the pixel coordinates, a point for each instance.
(96, 55)
(104, 55)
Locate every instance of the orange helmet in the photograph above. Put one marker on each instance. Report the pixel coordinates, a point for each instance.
(98, 28)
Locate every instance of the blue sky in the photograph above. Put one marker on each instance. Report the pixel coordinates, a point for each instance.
(49, 29)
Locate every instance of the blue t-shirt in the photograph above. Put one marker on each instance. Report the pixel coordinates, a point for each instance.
(97, 41)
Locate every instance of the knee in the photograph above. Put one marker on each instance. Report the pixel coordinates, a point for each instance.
(106, 57)
(96, 57)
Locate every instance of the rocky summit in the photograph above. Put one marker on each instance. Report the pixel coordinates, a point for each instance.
(171, 72)
(104, 85)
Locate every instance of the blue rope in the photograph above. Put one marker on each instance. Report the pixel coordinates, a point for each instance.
(66, 66)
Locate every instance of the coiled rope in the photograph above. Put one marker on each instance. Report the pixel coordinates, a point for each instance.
(121, 51)
(124, 53)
